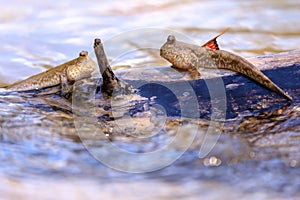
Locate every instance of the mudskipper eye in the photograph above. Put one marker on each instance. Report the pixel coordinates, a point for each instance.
(171, 39)
(83, 53)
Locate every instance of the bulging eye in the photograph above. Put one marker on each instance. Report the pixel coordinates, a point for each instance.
(171, 39)
(83, 53)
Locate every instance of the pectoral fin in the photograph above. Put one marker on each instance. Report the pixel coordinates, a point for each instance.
(66, 87)
(194, 74)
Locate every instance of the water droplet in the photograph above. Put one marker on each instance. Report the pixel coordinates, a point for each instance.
(212, 161)
(293, 163)
(186, 94)
(252, 154)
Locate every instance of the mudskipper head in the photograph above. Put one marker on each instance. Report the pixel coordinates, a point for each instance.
(179, 54)
(167, 50)
(86, 65)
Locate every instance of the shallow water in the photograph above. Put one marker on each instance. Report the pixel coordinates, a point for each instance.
(258, 157)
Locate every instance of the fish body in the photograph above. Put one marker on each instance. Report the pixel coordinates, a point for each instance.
(64, 75)
(189, 57)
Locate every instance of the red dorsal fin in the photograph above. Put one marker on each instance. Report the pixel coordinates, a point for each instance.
(212, 44)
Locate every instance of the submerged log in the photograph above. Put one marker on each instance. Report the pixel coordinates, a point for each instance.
(238, 93)
(217, 92)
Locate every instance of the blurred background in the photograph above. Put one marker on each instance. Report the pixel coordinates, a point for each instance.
(35, 35)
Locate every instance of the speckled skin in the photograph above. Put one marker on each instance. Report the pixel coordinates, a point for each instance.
(63, 75)
(188, 56)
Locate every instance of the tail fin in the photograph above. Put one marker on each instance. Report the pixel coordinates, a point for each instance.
(277, 89)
